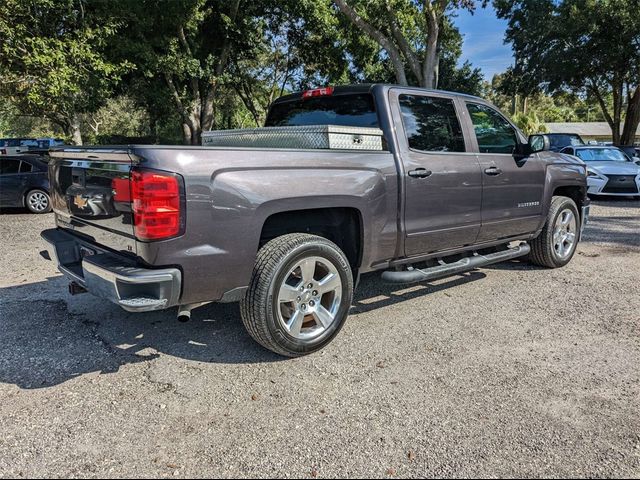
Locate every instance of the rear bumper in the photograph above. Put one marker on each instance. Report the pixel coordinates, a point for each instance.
(111, 276)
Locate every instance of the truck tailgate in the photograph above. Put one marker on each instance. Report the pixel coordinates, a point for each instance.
(90, 192)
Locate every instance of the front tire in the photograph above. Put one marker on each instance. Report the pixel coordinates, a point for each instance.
(299, 295)
(38, 201)
(556, 244)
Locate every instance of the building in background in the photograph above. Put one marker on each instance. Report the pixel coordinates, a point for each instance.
(599, 131)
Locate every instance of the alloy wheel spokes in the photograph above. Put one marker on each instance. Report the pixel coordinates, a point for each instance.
(564, 236)
(38, 201)
(287, 293)
(309, 298)
(329, 283)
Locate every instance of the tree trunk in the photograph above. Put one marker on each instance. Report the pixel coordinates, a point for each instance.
(186, 134)
(72, 129)
(431, 61)
(632, 119)
(614, 122)
(394, 53)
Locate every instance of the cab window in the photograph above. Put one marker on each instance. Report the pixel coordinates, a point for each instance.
(494, 133)
(431, 124)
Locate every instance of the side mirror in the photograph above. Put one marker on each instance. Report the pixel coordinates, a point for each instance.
(538, 143)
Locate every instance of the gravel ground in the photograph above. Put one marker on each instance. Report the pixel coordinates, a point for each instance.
(507, 371)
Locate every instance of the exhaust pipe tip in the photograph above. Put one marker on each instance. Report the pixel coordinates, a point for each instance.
(184, 314)
(184, 311)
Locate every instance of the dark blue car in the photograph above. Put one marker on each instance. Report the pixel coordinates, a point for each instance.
(24, 182)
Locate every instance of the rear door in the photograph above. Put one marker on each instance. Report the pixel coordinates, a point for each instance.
(512, 183)
(10, 182)
(443, 184)
(90, 192)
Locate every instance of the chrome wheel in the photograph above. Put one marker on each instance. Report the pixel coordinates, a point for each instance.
(38, 201)
(564, 233)
(309, 298)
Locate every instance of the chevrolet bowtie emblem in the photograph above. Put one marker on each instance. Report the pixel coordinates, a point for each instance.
(79, 202)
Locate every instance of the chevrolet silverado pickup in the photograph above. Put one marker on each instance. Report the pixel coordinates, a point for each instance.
(429, 184)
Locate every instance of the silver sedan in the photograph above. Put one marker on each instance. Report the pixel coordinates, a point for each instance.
(609, 170)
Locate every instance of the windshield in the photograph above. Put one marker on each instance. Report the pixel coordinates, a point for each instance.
(357, 110)
(601, 155)
(565, 140)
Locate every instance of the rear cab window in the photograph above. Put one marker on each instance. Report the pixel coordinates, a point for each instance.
(431, 124)
(351, 110)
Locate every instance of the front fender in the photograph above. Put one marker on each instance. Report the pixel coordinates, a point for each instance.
(562, 175)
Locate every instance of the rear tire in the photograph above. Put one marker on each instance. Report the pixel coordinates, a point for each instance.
(38, 201)
(556, 244)
(299, 295)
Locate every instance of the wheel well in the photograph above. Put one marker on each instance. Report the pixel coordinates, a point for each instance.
(343, 226)
(575, 193)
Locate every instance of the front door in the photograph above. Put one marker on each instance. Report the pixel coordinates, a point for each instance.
(442, 179)
(513, 183)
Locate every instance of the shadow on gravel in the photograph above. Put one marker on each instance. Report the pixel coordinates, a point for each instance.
(48, 342)
(16, 211)
(372, 293)
(45, 343)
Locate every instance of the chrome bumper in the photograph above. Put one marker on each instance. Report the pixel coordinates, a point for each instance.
(113, 277)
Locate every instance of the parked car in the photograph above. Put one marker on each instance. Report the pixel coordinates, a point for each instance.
(13, 146)
(415, 183)
(609, 170)
(24, 183)
(557, 141)
(630, 151)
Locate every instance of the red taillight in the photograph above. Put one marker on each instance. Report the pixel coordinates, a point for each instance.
(156, 205)
(317, 92)
(121, 190)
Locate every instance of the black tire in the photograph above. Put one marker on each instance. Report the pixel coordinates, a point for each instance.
(34, 199)
(259, 308)
(543, 249)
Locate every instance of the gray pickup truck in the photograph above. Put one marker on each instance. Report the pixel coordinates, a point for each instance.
(452, 185)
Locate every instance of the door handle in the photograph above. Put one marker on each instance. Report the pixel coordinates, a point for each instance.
(420, 173)
(493, 171)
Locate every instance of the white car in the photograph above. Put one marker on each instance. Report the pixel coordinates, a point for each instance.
(14, 146)
(609, 170)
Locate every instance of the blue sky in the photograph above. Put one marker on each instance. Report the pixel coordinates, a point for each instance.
(483, 46)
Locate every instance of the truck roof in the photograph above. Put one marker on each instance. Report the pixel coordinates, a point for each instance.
(369, 88)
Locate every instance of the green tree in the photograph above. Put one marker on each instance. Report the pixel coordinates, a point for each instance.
(186, 49)
(408, 31)
(52, 59)
(587, 46)
(529, 123)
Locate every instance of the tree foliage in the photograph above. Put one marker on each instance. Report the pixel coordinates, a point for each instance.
(184, 66)
(586, 46)
(52, 59)
(408, 31)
